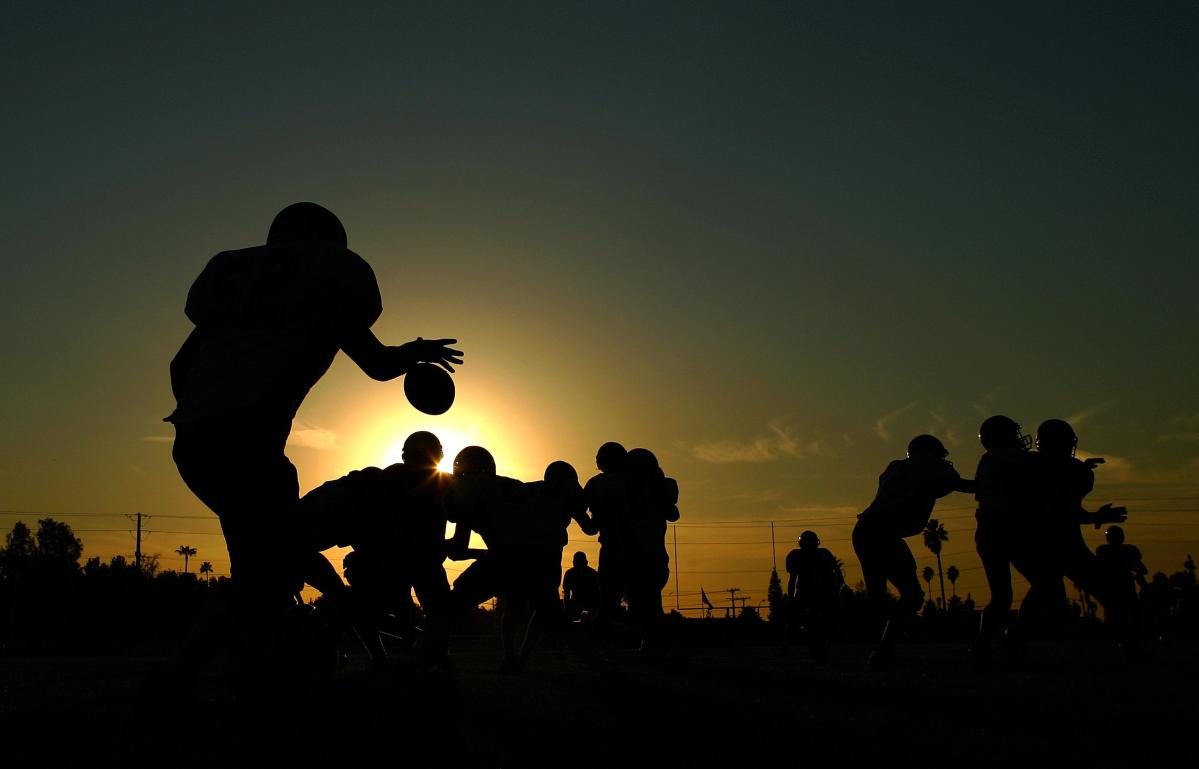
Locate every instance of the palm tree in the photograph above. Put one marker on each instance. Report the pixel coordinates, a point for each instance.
(187, 552)
(206, 569)
(952, 574)
(928, 575)
(934, 535)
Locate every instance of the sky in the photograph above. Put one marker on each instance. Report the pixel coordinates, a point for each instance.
(769, 241)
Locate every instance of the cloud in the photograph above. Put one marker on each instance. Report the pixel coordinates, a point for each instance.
(765, 496)
(312, 437)
(1082, 417)
(1187, 429)
(781, 441)
(941, 428)
(882, 427)
(302, 436)
(985, 406)
(842, 511)
(1179, 437)
(1120, 471)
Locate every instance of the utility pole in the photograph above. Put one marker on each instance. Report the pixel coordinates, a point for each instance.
(675, 529)
(137, 553)
(774, 559)
(732, 591)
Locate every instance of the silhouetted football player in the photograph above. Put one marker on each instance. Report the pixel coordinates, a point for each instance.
(814, 581)
(907, 492)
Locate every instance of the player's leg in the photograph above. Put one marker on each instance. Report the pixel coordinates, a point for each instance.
(433, 591)
(993, 552)
(613, 583)
(1084, 568)
(652, 575)
(900, 570)
(870, 549)
(240, 472)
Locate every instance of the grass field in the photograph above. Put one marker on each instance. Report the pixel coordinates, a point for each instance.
(737, 706)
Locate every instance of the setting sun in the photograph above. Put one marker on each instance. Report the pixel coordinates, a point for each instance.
(452, 441)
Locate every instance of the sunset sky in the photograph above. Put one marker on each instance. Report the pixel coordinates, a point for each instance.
(769, 241)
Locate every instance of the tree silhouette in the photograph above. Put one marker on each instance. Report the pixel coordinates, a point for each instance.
(934, 535)
(187, 552)
(206, 570)
(40, 571)
(952, 574)
(928, 575)
(774, 595)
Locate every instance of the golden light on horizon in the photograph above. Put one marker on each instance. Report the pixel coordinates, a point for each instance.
(452, 441)
(379, 441)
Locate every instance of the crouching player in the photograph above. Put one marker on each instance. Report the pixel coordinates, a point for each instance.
(394, 520)
(524, 527)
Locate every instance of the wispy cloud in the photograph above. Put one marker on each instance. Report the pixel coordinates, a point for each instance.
(1121, 471)
(782, 441)
(764, 496)
(985, 405)
(941, 427)
(302, 436)
(822, 510)
(1179, 438)
(1186, 429)
(312, 437)
(1084, 416)
(883, 425)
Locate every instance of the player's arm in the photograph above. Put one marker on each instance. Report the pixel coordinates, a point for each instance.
(1104, 515)
(595, 507)
(319, 573)
(185, 360)
(457, 547)
(585, 521)
(1140, 570)
(791, 585)
(386, 362)
(949, 482)
(669, 490)
(577, 504)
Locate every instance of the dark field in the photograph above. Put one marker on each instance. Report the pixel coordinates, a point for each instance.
(1077, 702)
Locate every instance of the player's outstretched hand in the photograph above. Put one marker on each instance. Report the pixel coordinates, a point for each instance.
(433, 351)
(1109, 514)
(1093, 462)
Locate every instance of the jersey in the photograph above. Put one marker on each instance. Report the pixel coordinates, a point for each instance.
(1004, 487)
(269, 321)
(907, 491)
(1121, 562)
(652, 502)
(1061, 483)
(506, 512)
(396, 512)
(607, 497)
(581, 587)
(816, 572)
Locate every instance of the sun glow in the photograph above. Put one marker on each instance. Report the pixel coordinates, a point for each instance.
(379, 440)
(452, 441)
